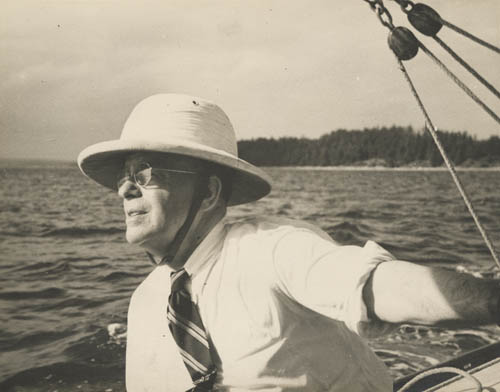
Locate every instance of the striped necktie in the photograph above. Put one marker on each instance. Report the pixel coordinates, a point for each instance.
(189, 334)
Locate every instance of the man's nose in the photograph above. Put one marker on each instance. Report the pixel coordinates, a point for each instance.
(129, 190)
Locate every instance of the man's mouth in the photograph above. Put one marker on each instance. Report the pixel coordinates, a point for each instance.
(133, 213)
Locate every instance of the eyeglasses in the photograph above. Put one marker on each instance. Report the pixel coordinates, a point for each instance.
(146, 175)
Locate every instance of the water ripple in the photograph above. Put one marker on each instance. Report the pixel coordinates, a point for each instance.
(52, 292)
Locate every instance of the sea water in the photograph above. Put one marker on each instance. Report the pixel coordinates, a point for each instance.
(67, 273)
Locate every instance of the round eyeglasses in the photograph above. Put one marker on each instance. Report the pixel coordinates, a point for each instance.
(145, 176)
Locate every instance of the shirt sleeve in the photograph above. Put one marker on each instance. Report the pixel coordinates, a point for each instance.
(329, 278)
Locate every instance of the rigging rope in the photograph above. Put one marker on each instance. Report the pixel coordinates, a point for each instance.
(405, 46)
(433, 131)
(426, 17)
(470, 36)
(453, 77)
(428, 22)
(467, 66)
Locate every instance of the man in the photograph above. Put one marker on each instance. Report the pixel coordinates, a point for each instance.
(260, 304)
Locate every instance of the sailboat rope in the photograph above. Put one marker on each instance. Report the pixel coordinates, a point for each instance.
(449, 164)
(462, 85)
(427, 21)
(405, 46)
(408, 6)
(467, 66)
(470, 36)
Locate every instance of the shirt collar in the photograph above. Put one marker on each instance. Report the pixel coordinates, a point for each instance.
(206, 250)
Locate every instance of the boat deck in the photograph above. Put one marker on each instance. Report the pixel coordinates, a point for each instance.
(488, 374)
(483, 364)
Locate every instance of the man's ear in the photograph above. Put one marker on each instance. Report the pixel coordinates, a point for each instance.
(212, 194)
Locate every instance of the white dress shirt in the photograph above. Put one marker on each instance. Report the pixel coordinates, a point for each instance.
(282, 305)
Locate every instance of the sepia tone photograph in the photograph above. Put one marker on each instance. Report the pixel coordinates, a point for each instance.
(218, 195)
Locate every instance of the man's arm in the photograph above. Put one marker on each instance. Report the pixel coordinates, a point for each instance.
(402, 292)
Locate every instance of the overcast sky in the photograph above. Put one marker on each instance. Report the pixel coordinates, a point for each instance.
(71, 71)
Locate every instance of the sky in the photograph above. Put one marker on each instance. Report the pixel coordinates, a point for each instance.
(72, 70)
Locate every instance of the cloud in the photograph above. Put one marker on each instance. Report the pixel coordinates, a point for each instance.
(73, 70)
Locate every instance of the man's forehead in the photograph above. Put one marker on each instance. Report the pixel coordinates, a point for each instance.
(162, 160)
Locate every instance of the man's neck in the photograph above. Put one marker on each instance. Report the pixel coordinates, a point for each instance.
(197, 233)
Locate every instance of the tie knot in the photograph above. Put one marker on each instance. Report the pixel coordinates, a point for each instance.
(179, 280)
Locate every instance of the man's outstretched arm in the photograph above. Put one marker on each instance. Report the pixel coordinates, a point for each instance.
(402, 292)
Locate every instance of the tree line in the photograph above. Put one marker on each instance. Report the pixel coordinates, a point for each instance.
(381, 146)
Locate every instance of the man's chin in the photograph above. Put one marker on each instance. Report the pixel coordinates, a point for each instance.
(133, 237)
(144, 241)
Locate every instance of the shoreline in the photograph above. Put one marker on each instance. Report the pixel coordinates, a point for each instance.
(383, 168)
(26, 163)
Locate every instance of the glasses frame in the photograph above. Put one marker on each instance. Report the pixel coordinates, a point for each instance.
(132, 177)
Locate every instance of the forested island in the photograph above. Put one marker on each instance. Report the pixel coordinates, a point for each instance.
(385, 146)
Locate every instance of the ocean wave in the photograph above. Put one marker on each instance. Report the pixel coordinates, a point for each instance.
(16, 233)
(61, 232)
(351, 214)
(36, 266)
(75, 302)
(488, 273)
(67, 376)
(50, 270)
(10, 208)
(315, 217)
(412, 348)
(119, 275)
(51, 292)
(349, 233)
(284, 209)
(117, 333)
(55, 266)
(32, 340)
(75, 232)
(405, 362)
